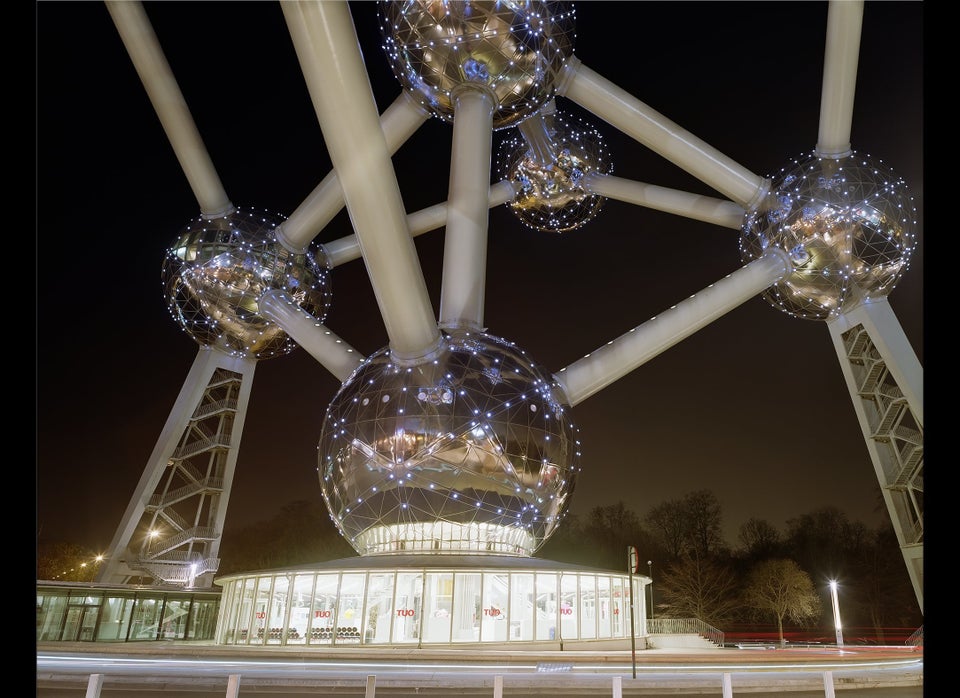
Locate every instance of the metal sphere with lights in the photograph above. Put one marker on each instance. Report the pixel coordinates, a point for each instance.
(471, 451)
(217, 269)
(515, 50)
(551, 197)
(848, 225)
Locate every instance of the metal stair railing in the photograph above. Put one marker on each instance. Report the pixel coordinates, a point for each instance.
(226, 405)
(858, 342)
(685, 626)
(187, 491)
(163, 547)
(195, 447)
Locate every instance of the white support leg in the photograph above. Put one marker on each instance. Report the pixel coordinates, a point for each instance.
(828, 684)
(727, 685)
(885, 381)
(176, 448)
(94, 684)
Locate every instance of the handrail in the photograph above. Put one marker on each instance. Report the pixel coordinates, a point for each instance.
(688, 626)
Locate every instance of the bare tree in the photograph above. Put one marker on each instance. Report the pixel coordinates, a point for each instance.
(301, 533)
(882, 592)
(780, 588)
(759, 538)
(700, 588)
(689, 526)
(610, 529)
(825, 541)
(703, 518)
(670, 525)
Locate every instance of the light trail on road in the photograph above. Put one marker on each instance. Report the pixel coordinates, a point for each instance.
(560, 676)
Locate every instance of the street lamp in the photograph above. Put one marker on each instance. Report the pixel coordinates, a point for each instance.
(650, 570)
(836, 612)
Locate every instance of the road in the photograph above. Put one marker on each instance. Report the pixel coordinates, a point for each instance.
(184, 672)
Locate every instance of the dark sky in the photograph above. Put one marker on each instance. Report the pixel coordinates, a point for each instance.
(752, 407)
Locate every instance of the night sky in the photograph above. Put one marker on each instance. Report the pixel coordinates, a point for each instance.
(752, 407)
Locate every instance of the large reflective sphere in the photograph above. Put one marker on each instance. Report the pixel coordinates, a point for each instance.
(515, 49)
(216, 270)
(471, 451)
(552, 198)
(848, 225)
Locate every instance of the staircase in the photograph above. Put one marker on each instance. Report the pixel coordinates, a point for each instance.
(682, 633)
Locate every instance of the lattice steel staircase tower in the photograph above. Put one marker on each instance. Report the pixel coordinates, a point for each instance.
(885, 380)
(170, 532)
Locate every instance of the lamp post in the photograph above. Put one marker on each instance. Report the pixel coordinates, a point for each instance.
(836, 612)
(650, 571)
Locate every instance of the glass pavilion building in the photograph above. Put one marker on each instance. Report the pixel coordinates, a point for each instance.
(423, 600)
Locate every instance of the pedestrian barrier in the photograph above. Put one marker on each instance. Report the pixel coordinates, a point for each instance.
(95, 683)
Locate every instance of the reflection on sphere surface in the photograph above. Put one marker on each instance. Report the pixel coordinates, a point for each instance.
(514, 50)
(848, 225)
(216, 270)
(551, 197)
(470, 451)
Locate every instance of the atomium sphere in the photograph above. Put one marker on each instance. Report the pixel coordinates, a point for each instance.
(515, 50)
(848, 225)
(471, 451)
(551, 197)
(216, 270)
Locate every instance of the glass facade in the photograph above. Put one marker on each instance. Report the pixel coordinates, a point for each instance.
(376, 600)
(103, 613)
(389, 600)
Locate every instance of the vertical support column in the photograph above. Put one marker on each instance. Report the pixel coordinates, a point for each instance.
(371, 686)
(828, 684)
(94, 684)
(844, 20)
(498, 686)
(233, 686)
(617, 687)
(465, 239)
(727, 685)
